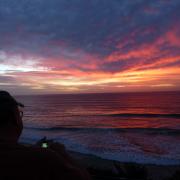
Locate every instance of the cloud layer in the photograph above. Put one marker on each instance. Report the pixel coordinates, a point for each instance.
(89, 46)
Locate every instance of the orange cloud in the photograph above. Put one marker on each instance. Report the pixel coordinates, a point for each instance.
(153, 69)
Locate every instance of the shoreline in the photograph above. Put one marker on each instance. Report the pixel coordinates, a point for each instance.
(98, 166)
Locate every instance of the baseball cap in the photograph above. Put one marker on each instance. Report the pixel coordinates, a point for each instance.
(6, 100)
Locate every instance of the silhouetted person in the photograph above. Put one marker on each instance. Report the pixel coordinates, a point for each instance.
(20, 162)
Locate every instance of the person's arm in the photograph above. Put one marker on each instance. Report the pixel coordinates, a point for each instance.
(63, 167)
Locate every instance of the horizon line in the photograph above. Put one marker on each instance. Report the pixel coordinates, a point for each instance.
(86, 93)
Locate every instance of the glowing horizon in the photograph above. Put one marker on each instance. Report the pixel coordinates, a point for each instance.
(90, 47)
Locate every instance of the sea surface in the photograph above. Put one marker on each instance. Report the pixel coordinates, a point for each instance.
(128, 127)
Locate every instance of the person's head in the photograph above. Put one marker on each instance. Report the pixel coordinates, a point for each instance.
(10, 115)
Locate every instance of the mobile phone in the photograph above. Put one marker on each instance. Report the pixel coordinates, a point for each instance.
(44, 145)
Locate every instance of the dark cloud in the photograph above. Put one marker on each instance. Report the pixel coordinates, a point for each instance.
(31, 24)
(118, 66)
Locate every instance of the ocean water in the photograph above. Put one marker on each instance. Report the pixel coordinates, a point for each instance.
(128, 127)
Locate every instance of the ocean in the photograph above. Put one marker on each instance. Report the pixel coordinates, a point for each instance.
(127, 127)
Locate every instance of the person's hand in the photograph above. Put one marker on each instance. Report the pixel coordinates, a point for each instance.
(60, 150)
(41, 141)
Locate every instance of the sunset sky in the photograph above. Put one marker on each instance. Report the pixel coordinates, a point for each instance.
(87, 46)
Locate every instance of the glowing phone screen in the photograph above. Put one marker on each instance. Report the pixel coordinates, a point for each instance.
(44, 145)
